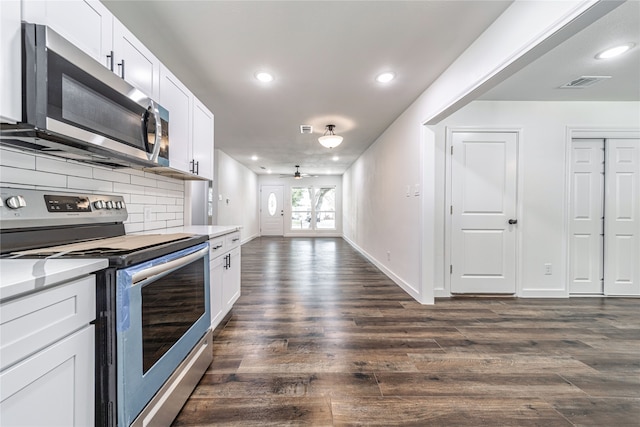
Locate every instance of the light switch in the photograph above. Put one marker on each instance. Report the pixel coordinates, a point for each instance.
(219, 197)
(416, 190)
(408, 190)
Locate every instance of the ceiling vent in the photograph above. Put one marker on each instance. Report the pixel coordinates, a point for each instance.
(306, 129)
(584, 81)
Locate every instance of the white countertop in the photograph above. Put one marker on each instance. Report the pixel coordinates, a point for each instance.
(18, 276)
(212, 231)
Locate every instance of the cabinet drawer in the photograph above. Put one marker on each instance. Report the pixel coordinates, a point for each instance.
(31, 323)
(232, 240)
(216, 247)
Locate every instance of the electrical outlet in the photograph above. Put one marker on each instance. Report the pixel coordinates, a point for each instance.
(547, 269)
(388, 255)
(147, 213)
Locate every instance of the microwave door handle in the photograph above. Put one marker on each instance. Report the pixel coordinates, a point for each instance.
(153, 109)
(167, 266)
(153, 156)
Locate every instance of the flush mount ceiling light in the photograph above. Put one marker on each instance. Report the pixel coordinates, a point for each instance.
(254, 157)
(330, 139)
(385, 77)
(264, 77)
(615, 51)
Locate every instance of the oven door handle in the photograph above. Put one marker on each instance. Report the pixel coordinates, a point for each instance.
(168, 266)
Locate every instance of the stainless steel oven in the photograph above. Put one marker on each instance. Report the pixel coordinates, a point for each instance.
(153, 337)
(162, 313)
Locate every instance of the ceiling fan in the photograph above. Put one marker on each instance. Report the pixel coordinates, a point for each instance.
(296, 174)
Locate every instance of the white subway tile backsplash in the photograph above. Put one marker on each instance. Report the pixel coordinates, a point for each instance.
(17, 159)
(109, 175)
(60, 166)
(134, 228)
(154, 225)
(31, 177)
(135, 208)
(164, 195)
(165, 216)
(120, 188)
(145, 200)
(171, 186)
(135, 217)
(89, 184)
(145, 182)
(166, 201)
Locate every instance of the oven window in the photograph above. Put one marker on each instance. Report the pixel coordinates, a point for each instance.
(170, 306)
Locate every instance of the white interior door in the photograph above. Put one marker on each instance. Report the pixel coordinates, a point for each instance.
(271, 210)
(622, 225)
(483, 212)
(586, 217)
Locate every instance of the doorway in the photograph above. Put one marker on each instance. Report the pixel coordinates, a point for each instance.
(271, 210)
(483, 222)
(604, 228)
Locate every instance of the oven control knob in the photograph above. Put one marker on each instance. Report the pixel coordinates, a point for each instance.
(119, 205)
(109, 204)
(16, 202)
(99, 204)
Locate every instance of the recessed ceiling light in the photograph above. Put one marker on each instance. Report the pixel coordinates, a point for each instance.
(385, 77)
(336, 158)
(615, 51)
(254, 157)
(269, 171)
(264, 77)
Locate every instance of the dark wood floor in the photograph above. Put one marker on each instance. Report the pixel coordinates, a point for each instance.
(321, 337)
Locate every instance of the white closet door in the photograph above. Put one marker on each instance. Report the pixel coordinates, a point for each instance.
(586, 211)
(622, 225)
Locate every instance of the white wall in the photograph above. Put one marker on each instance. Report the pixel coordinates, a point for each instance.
(380, 219)
(238, 187)
(377, 219)
(163, 196)
(320, 181)
(544, 135)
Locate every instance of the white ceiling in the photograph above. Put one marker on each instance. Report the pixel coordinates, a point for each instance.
(324, 56)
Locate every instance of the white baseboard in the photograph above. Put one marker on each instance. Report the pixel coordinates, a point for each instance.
(415, 294)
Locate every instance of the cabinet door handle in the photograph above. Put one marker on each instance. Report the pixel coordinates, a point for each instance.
(192, 166)
(121, 65)
(110, 61)
(513, 221)
(197, 168)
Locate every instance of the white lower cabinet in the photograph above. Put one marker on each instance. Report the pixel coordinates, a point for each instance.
(231, 279)
(47, 353)
(54, 387)
(224, 258)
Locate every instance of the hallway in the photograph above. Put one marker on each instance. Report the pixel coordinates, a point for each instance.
(321, 337)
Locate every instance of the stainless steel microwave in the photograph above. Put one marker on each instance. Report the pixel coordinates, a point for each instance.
(74, 107)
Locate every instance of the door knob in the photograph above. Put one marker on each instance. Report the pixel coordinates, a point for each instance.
(513, 221)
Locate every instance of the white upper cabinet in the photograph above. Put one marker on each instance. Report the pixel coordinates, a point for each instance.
(175, 97)
(93, 29)
(10, 72)
(134, 62)
(85, 23)
(202, 149)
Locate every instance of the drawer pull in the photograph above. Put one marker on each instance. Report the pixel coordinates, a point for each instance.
(217, 247)
(236, 239)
